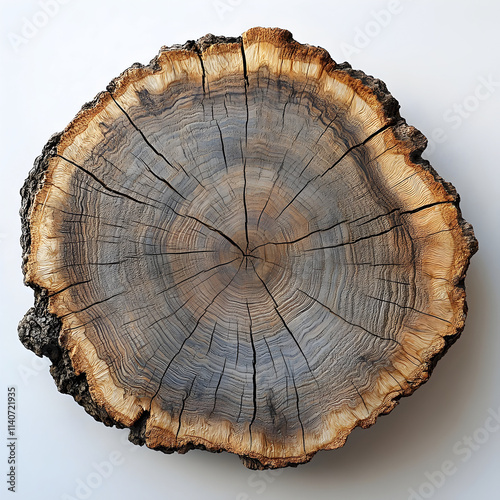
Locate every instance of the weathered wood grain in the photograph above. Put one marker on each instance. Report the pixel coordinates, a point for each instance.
(240, 248)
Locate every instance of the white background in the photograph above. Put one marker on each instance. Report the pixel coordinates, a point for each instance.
(434, 57)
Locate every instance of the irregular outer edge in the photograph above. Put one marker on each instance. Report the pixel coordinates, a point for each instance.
(39, 329)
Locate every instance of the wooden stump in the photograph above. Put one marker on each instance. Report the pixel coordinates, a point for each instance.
(238, 247)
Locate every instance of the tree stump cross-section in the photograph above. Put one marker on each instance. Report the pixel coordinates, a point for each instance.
(239, 247)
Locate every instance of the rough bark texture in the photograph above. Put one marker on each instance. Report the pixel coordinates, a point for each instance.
(239, 248)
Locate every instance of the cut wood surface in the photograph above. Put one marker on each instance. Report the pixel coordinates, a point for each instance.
(238, 247)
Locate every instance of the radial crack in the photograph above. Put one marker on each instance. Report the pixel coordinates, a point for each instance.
(245, 76)
(208, 226)
(190, 335)
(99, 181)
(312, 179)
(183, 406)
(345, 320)
(290, 374)
(275, 180)
(356, 240)
(254, 376)
(408, 307)
(302, 237)
(69, 286)
(161, 179)
(146, 139)
(222, 145)
(217, 388)
(197, 274)
(245, 202)
(212, 339)
(203, 72)
(425, 207)
(362, 399)
(270, 355)
(276, 307)
(91, 305)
